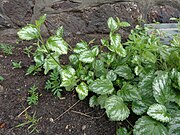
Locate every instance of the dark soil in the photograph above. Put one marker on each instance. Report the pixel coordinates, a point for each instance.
(80, 120)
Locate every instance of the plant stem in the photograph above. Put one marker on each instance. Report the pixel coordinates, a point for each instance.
(67, 110)
(129, 123)
(42, 42)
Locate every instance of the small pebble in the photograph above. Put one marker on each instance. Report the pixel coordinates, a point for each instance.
(1, 88)
(51, 120)
(83, 127)
(67, 126)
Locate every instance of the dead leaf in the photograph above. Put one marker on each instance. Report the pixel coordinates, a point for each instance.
(2, 125)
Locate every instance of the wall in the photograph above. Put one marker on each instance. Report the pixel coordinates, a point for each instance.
(83, 16)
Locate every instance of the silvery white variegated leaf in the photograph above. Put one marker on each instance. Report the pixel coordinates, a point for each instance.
(116, 109)
(148, 126)
(159, 112)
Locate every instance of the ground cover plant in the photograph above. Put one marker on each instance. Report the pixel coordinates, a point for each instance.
(7, 49)
(140, 76)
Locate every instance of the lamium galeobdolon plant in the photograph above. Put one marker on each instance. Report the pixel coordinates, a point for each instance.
(140, 76)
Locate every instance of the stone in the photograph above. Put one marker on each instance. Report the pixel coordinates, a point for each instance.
(1, 88)
(83, 17)
(84, 127)
(18, 11)
(93, 20)
(162, 13)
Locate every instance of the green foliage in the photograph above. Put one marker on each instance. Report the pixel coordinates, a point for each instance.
(116, 110)
(7, 49)
(31, 123)
(82, 90)
(122, 131)
(174, 125)
(159, 112)
(53, 84)
(29, 32)
(102, 86)
(161, 88)
(33, 69)
(1, 78)
(28, 51)
(142, 74)
(33, 96)
(16, 64)
(129, 93)
(147, 126)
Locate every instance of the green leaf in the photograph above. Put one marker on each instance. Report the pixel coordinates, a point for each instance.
(177, 99)
(82, 90)
(1, 78)
(124, 71)
(116, 45)
(73, 58)
(161, 88)
(81, 47)
(33, 69)
(116, 110)
(159, 112)
(105, 42)
(111, 75)
(174, 59)
(87, 56)
(39, 58)
(99, 68)
(138, 70)
(102, 87)
(41, 49)
(145, 86)
(112, 24)
(149, 56)
(51, 62)
(124, 24)
(107, 58)
(68, 78)
(40, 21)
(93, 101)
(122, 131)
(28, 33)
(146, 92)
(129, 92)
(60, 31)
(174, 125)
(139, 107)
(147, 126)
(175, 77)
(101, 100)
(95, 50)
(57, 44)
(172, 108)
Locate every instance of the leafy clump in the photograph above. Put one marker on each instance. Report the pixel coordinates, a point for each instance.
(16, 64)
(6, 48)
(53, 84)
(33, 96)
(142, 74)
(1, 78)
(30, 122)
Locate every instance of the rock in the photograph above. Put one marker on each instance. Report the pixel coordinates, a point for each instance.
(162, 13)
(83, 17)
(94, 19)
(1, 88)
(83, 127)
(18, 11)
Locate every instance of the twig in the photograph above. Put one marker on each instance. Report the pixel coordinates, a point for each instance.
(23, 111)
(129, 123)
(67, 110)
(87, 115)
